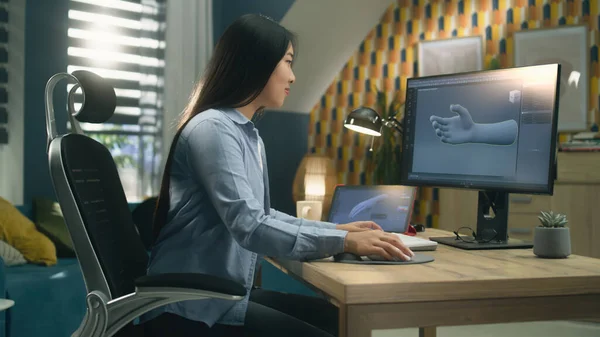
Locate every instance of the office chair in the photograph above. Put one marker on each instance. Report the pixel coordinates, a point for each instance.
(111, 254)
(143, 216)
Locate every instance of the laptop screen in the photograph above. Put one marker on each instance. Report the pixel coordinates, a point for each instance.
(390, 206)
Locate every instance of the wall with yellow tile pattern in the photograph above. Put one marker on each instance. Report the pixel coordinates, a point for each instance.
(387, 57)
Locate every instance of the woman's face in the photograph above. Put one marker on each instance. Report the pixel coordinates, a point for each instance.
(278, 87)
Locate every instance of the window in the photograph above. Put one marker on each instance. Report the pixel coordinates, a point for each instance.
(124, 42)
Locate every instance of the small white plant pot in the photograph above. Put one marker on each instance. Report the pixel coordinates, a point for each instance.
(552, 243)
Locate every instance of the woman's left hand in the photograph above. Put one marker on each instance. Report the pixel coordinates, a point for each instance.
(359, 226)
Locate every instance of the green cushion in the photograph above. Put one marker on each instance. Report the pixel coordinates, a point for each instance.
(49, 220)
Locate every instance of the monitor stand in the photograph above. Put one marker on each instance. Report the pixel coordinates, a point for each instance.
(491, 230)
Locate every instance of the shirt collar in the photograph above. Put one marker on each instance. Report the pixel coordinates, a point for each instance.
(236, 116)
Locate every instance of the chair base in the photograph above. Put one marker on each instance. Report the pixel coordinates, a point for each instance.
(106, 318)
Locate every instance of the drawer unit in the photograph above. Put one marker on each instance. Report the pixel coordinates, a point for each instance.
(522, 226)
(527, 203)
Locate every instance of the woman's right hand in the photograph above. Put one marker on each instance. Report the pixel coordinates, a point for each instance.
(373, 242)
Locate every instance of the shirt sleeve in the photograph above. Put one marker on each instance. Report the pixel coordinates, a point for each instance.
(216, 156)
(299, 221)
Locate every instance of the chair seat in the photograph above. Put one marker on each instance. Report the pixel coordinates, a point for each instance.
(192, 281)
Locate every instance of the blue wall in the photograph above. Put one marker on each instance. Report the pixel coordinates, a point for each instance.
(226, 11)
(285, 135)
(46, 43)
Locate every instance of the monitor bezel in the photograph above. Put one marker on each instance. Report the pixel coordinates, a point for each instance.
(548, 189)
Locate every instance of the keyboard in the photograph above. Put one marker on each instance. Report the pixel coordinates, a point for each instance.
(416, 243)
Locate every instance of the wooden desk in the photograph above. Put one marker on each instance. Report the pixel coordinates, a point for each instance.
(459, 288)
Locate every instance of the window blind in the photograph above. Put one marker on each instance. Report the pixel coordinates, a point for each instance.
(124, 42)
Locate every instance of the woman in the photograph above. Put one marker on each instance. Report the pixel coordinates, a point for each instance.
(213, 214)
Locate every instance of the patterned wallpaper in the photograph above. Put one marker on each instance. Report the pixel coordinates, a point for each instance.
(387, 57)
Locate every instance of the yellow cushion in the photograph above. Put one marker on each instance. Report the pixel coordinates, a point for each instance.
(18, 231)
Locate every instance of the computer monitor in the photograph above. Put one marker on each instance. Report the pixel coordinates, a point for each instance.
(492, 131)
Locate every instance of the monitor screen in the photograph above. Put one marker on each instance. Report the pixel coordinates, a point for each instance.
(487, 130)
(390, 206)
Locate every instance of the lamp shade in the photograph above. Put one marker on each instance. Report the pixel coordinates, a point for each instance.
(364, 120)
(315, 180)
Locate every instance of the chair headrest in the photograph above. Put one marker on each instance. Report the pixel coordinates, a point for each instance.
(99, 98)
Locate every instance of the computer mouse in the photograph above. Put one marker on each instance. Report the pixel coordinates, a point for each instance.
(346, 257)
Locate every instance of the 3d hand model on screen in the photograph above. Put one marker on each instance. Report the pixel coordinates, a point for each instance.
(366, 205)
(461, 129)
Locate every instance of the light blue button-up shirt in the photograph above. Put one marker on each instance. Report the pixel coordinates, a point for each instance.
(220, 220)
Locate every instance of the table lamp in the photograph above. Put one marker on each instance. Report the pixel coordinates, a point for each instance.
(366, 120)
(315, 180)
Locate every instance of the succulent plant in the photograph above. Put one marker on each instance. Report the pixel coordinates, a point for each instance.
(551, 219)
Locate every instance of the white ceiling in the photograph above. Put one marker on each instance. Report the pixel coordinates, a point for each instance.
(329, 32)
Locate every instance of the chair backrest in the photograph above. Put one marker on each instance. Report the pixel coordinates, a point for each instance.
(97, 214)
(143, 217)
(89, 190)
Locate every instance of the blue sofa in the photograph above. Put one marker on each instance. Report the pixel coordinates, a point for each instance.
(49, 301)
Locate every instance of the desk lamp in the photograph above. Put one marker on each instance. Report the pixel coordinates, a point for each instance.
(367, 121)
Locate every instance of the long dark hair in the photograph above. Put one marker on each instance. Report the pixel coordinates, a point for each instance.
(239, 69)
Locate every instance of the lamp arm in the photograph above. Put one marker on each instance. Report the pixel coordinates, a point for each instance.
(393, 123)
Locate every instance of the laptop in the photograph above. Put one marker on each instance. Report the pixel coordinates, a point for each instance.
(390, 206)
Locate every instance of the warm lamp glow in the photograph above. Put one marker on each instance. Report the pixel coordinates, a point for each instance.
(314, 186)
(364, 130)
(315, 180)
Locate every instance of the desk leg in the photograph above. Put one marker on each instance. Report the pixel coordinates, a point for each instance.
(343, 320)
(353, 324)
(429, 331)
